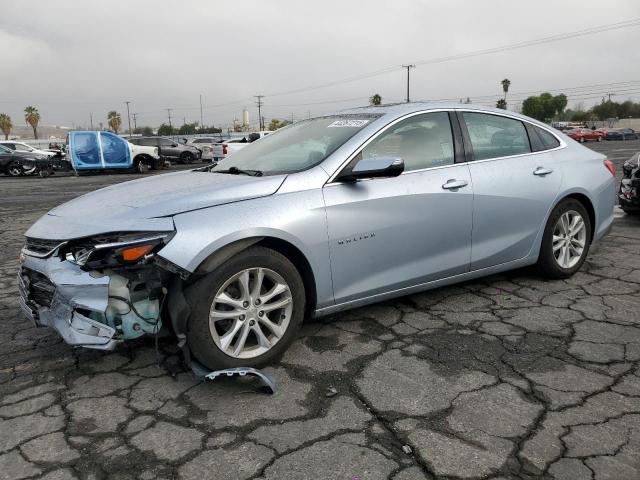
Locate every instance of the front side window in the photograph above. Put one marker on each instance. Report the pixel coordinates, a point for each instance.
(299, 146)
(22, 148)
(422, 141)
(493, 136)
(166, 142)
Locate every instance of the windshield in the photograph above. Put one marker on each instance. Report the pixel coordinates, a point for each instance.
(297, 147)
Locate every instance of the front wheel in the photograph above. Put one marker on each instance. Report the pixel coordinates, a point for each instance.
(599, 139)
(186, 158)
(581, 139)
(246, 312)
(566, 240)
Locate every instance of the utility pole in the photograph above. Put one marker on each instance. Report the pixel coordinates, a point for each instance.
(408, 67)
(611, 95)
(91, 119)
(201, 121)
(170, 126)
(135, 125)
(128, 116)
(259, 103)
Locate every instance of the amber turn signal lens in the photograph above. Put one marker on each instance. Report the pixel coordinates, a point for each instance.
(135, 253)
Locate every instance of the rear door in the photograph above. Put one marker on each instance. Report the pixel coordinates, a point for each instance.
(99, 150)
(514, 187)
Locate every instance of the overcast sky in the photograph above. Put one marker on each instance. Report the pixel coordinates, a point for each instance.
(71, 58)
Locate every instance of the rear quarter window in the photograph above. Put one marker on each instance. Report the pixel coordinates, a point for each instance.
(548, 139)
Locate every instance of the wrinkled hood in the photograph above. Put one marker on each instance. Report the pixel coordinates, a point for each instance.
(148, 203)
(168, 194)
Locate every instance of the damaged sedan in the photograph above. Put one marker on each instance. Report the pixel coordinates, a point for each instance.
(324, 215)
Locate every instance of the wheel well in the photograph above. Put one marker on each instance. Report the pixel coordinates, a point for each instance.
(586, 203)
(141, 157)
(281, 246)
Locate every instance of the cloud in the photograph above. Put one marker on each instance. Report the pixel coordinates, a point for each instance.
(74, 58)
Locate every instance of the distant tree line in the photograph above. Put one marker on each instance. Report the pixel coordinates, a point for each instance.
(603, 111)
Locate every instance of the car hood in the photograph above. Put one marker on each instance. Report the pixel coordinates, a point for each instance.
(169, 194)
(148, 203)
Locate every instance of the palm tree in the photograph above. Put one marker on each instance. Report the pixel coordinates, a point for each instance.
(32, 117)
(505, 88)
(5, 125)
(375, 99)
(501, 103)
(114, 120)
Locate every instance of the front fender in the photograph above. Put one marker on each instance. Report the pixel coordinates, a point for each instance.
(297, 218)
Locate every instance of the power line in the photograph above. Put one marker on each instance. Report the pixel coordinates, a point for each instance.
(474, 53)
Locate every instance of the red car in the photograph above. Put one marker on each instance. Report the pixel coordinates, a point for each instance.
(582, 135)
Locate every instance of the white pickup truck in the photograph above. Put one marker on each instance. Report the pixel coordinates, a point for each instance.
(228, 147)
(145, 158)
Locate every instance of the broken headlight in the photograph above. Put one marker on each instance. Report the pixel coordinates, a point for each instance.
(115, 250)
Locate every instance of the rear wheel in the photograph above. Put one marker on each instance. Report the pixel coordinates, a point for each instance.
(581, 140)
(246, 312)
(186, 157)
(14, 170)
(599, 139)
(566, 240)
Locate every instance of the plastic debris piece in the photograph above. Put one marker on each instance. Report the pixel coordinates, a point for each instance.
(331, 392)
(407, 449)
(266, 380)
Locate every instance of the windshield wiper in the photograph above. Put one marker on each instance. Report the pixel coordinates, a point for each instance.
(239, 171)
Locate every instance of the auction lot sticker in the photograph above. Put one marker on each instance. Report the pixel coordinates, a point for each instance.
(349, 123)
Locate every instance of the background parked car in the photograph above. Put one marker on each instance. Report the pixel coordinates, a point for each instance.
(205, 144)
(622, 134)
(224, 149)
(23, 147)
(583, 135)
(170, 150)
(629, 192)
(15, 163)
(145, 157)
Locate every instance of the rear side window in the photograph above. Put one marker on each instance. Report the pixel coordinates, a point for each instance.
(148, 142)
(548, 139)
(493, 136)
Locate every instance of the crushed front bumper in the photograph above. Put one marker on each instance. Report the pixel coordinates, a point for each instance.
(58, 294)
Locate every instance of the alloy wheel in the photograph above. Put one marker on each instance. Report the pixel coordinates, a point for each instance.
(250, 313)
(569, 239)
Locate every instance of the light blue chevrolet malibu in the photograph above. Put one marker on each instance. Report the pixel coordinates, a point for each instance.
(325, 215)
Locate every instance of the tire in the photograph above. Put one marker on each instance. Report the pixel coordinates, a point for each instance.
(548, 265)
(14, 170)
(186, 157)
(206, 342)
(581, 140)
(599, 139)
(140, 166)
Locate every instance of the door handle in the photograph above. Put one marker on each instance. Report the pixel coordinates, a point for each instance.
(541, 171)
(454, 184)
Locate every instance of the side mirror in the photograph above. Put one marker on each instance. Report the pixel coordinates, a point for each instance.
(174, 145)
(385, 167)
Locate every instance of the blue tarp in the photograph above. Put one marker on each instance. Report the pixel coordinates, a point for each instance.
(98, 150)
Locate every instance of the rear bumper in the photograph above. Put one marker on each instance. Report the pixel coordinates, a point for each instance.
(58, 294)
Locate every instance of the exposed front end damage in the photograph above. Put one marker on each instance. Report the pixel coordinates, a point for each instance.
(96, 292)
(629, 193)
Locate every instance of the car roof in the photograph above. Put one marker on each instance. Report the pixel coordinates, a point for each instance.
(401, 109)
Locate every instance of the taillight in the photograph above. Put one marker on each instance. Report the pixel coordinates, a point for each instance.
(224, 148)
(610, 166)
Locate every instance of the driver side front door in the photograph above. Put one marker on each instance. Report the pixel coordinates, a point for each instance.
(389, 234)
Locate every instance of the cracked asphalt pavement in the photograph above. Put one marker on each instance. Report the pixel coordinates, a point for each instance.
(508, 377)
